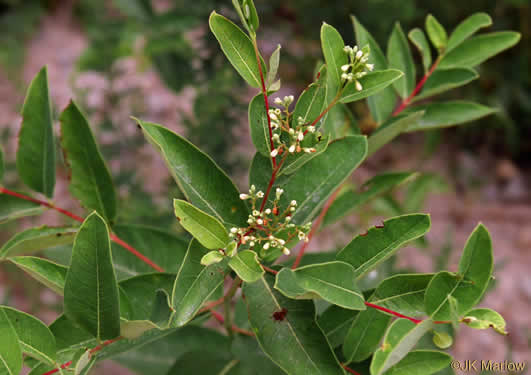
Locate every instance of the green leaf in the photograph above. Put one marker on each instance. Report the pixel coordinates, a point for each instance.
(205, 228)
(85, 363)
(476, 50)
(214, 256)
(382, 104)
(421, 362)
(335, 322)
(203, 183)
(400, 58)
(469, 284)
(194, 284)
(401, 337)
(90, 180)
(70, 336)
(259, 125)
(467, 28)
(161, 247)
(364, 335)
(34, 337)
(304, 348)
(445, 114)
(51, 274)
(442, 340)
(311, 102)
(334, 282)
(10, 351)
(36, 147)
(274, 62)
(248, 15)
(442, 80)
(91, 291)
(372, 83)
(418, 38)
(391, 129)
(238, 48)
(436, 33)
(365, 252)
(332, 45)
(484, 319)
(403, 293)
(196, 362)
(133, 329)
(350, 199)
(35, 239)
(247, 266)
(12, 208)
(252, 360)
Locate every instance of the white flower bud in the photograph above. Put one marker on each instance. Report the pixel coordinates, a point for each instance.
(293, 202)
(233, 230)
(266, 246)
(345, 67)
(260, 194)
(344, 76)
(259, 221)
(359, 87)
(252, 189)
(256, 213)
(279, 192)
(244, 196)
(347, 49)
(301, 235)
(291, 149)
(286, 251)
(276, 137)
(278, 101)
(274, 153)
(250, 221)
(370, 67)
(287, 219)
(300, 136)
(278, 112)
(273, 117)
(292, 209)
(268, 211)
(281, 241)
(251, 244)
(311, 129)
(359, 55)
(355, 49)
(291, 131)
(300, 120)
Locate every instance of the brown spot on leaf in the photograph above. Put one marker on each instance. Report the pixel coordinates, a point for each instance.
(280, 315)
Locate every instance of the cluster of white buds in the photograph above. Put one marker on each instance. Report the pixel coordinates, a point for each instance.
(265, 224)
(357, 66)
(296, 133)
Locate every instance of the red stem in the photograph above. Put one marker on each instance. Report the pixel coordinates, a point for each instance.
(92, 351)
(113, 237)
(349, 369)
(315, 227)
(270, 270)
(417, 89)
(221, 320)
(271, 182)
(266, 100)
(394, 313)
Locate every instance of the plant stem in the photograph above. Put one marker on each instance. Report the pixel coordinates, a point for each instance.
(406, 102)
(271, 182)
(266, 100)
(327, 109)
(113, 236)
(270, 270)
(349, 369)
(315, 227)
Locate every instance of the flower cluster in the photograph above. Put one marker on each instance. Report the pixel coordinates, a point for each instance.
(295, 134)
(266, 227)
(357, 67)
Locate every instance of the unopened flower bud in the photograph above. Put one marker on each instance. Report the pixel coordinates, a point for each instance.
(266, 246)
(274, 153)
(359, 54)
(359, 87)
(311, 129)
(278, 101)
(286, 251)
(300, 136)
(259, 221)
(233, 230)
(370, 67)
(291, 149)
(268, 211)
(244, 196)
(345, 67)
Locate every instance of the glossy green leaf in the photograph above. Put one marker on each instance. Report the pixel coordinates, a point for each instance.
(467, 28)
(10, 351)
(372, 83)
(442, 340)
(133, 329)
(442, 80)
(203, 183)
(484, 319)
(12, 208)
(383, 103)
(304, 348)
(84, 364)
(403, 293)
(34, 337)
(70, 336)
(259, 125)
(35, 239)
(332, 45)
(476, 50)
(365, 252)
(214, 256)
(196, 362)
(205, 228)
(364, 335)
(161, 247)
(248, 15)
(311, 102)
(391, 129)
(401, 337)
(335, 322)
(400, 58)
(436, 33)
(238, 48)
(252, 360)
(51, 274)
(420, 362)
(194, 284)
(36, 146)
(347, 201)
(418, 38)
(90, 180)
(334, 282)
(274, 62)
(91, 291)
(247, 266)
(468, 285)
(445, 114)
